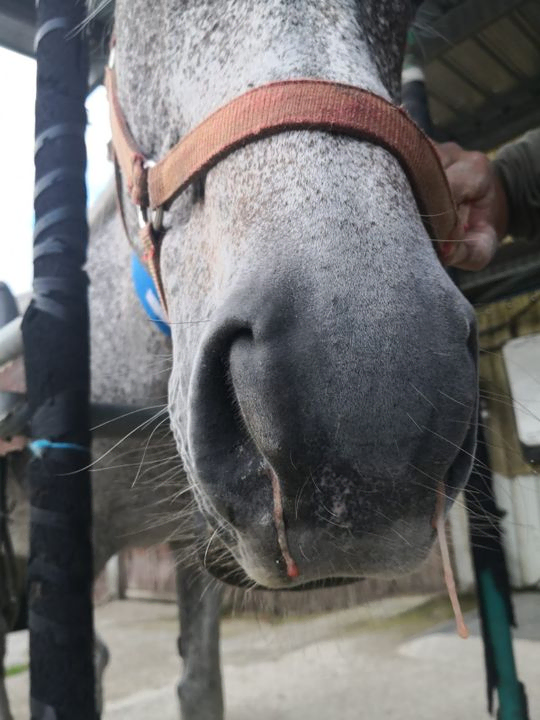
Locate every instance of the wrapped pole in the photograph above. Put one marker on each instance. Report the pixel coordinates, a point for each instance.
(55, 333)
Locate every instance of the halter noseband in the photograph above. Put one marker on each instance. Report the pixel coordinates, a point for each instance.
(264, 111)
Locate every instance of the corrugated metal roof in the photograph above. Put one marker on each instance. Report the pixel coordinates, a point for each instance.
(483, 68)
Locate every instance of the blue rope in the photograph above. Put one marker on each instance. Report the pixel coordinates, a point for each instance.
(148, 295)
(38, 447)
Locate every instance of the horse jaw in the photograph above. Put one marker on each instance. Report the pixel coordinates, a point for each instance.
(314, 331)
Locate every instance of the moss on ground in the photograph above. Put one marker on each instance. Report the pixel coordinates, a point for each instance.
(433, 612)
(16, 669)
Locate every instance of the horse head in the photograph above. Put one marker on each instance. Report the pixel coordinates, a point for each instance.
(324, 375)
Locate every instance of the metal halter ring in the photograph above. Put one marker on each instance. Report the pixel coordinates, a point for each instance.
(154, 217)
(145, 215)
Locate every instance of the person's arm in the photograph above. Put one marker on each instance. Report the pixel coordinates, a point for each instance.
(518, 168)
(493, 198)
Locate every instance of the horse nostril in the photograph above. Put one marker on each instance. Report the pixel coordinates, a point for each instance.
(217, 432)
(214, 394)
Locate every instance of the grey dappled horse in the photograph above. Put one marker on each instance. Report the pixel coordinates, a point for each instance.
(315, 335)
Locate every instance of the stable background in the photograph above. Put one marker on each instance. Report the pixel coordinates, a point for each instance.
(482, 65)
(482, 60)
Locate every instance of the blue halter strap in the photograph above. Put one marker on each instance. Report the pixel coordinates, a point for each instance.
(148, 295)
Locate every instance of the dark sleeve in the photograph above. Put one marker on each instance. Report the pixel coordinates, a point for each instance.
(518, 167)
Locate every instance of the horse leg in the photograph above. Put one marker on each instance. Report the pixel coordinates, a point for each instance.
(199, 603)
(101, 660)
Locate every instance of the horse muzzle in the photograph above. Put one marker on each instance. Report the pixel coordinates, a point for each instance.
(318, 440)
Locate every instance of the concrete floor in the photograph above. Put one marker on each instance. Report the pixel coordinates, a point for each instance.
(398, 659)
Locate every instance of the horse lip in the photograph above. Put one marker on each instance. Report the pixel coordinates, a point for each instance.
(221, 564)
(231, 573)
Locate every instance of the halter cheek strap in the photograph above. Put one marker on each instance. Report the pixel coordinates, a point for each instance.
(265, 111)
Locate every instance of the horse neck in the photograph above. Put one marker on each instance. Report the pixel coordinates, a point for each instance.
(178, 65)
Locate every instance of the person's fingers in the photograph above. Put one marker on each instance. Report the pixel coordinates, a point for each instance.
(463, 213)
(474, 188)
(469, 179)
(475, 250)
(456, 254)
(449, 153)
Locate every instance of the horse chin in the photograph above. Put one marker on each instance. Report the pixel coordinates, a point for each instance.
(318, 458)
(221, 563)
(246, 550)
(247, 573)
(306, 554)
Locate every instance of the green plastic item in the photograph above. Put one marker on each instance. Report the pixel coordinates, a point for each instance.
(512, 701)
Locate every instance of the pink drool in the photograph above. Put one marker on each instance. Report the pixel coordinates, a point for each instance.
(292, 567)
(439, 524)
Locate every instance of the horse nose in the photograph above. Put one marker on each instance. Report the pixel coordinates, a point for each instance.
(325, 387)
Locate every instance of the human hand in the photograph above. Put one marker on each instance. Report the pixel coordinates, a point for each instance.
(481, 204)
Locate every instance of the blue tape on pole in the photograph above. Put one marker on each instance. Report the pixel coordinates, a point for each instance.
(38, 447)
(148, 295)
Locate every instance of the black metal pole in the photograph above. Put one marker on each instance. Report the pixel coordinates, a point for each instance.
(55, 332)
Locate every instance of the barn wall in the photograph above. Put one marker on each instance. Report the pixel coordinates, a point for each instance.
(516, 483)
(149, 574)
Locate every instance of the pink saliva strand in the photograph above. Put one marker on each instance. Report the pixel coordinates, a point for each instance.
(292, 568)
(439, 523)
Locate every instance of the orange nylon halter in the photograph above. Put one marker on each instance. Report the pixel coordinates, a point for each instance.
(264, 111)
